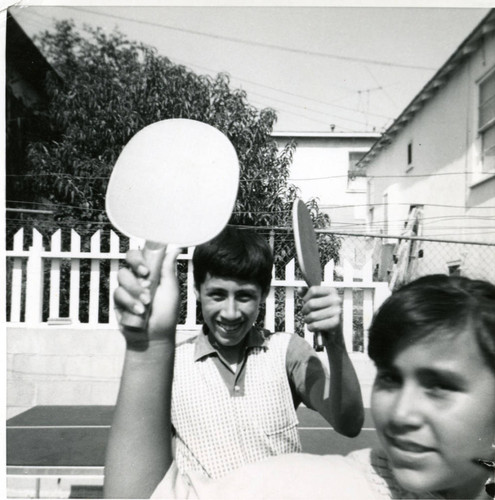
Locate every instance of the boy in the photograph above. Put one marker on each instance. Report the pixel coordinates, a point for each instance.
(236, 387)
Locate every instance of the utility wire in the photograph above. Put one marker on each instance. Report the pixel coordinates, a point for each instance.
(250, 179)
(317, 101)
(325, 207)
(314, 111)
(259, 44)
(285, 92)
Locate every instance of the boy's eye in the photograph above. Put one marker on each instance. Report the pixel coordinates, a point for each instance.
(244, 297)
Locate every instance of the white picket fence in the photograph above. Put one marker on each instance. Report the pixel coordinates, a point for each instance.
(35, 277)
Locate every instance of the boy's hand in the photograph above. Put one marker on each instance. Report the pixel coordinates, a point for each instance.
(321, 312)
(133, 295)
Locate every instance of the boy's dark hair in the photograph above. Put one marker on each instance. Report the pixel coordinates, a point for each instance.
(235, 253)
(435, 304)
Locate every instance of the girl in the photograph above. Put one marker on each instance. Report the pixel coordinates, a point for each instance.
(433, 400)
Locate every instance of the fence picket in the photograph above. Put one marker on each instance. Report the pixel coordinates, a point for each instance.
(34, 280)
(113, 282)
(382, 291)
(289, 297)
(373, 292)
(368, 310)
(191, 295)
(75, 276)
(16, 287)
(54, 301)
(270, 309)
(367, 269)
(328, 271)
(94, 279)
(348, 305)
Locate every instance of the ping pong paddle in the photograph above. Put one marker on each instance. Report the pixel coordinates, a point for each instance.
(174, 183)
(308, 255)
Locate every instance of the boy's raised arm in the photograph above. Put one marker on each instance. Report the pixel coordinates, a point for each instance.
(139, 450)
(345, 399)
(341, 401)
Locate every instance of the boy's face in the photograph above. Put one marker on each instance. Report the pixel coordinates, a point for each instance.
(434, 410)
(230, 307)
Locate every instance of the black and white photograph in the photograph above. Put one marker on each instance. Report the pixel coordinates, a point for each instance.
(249, 249)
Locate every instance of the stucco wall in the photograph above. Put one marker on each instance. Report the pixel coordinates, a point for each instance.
(62, 366)
(446, 143)
(320, 169)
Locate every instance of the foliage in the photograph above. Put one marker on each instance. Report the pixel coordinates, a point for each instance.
(110, 88)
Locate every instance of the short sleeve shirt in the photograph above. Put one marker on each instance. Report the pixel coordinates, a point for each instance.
(303, 365)
(225, 417)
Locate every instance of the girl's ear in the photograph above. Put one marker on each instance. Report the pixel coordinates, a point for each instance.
(196, 293)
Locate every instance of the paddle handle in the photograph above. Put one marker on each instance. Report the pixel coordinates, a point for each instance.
(153, 254)
(318, 342)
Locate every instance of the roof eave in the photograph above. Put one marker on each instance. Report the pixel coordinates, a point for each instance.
(469, 45)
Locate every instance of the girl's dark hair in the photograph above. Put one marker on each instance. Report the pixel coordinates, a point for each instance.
(435, 304)
(236, 254)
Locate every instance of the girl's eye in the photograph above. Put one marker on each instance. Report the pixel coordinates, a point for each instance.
(439, 389)
(439, 385)
(437, 392)
(387, 379)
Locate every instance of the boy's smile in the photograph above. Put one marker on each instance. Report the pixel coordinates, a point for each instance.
(230, 308)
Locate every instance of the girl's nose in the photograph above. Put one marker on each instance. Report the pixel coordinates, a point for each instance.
(407, 409)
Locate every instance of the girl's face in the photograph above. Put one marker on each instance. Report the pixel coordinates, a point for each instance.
(434, 410)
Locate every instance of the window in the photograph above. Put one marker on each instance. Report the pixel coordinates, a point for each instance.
(356, 177)
(385, 212)
(487, 122)
(454, 268)
(371, 218)
(488, 149)
(409, 155)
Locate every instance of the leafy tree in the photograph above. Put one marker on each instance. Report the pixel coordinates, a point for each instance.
(112, 88)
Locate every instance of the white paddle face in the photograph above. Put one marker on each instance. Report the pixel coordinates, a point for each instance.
(175, 182)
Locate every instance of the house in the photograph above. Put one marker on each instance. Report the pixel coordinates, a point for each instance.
(435, 165)
(26, 70)
(324, 167)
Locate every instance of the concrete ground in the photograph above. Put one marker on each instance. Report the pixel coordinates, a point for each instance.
(316, 436)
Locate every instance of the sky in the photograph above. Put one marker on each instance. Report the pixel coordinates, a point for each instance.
(321, 66)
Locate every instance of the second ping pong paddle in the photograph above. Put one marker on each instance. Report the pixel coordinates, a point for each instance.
(308, 255)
